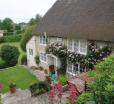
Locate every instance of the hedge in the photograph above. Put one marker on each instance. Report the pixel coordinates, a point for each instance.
(10, 38)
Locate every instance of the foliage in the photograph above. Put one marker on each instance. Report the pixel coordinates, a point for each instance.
(94, 55)
(103, 86)
(59, 50)
(83, 98)
(18, 74)
(10, 38)
(1, 39)
(26, 37)
(36, 20)
(2, 64)
(39, 88)
(63, 79)
(10, 54)
(37, 59)
(24, 59)
(8, 25)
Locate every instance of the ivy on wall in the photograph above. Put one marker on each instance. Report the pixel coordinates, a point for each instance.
(94, 55)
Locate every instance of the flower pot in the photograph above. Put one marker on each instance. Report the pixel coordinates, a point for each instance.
(13, 89)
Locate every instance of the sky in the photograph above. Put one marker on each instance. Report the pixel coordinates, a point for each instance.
(23, 10)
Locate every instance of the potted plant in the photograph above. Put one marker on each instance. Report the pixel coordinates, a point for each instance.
(12, 87)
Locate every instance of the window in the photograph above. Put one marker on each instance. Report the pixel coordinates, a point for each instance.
(76, 46)
(31, 52)
(79, 46)
(59, 39)
(70, 45)
(43, 57)
(69, 68)
(75, 68)
(43, 40)
(83, 46)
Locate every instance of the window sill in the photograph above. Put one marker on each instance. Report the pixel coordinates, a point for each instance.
(43, 61)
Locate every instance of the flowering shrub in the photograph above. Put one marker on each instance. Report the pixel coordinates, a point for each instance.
(94, 55)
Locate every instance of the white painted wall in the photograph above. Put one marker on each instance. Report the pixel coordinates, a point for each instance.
(31, 58)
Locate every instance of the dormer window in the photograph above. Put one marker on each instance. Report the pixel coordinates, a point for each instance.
(43, 40)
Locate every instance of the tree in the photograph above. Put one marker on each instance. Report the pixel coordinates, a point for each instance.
(102, 89)
(36, 20)
(26, 37)
(8, 25)
(10, 54)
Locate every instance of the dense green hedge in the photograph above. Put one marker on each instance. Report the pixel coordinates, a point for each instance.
(10, 38)
(2, 64)
(9, 54)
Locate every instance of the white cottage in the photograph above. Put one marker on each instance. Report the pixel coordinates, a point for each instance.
(75, 23)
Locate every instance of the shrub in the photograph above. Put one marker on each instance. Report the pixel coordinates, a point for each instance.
(40, 68)
(1, 39)
(10, 54)
(2, 64)
(48, 79)
(63, 79)
(10, 38)
(39, 88)
(83, 98)
(24, 59)
(37, 59)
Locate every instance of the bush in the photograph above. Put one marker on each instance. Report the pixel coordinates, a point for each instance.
(10, 54)
(83, 98)
(39, 88)
(63, 79)
(40, 68)
(1, 39)
(24, 60)
(2, 64)
(10, 38)
(37, 59)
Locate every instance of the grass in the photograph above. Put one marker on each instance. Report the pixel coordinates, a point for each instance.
(17, 44)
(19, 75)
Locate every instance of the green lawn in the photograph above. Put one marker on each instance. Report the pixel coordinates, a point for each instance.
(18, 74)
(17, 44)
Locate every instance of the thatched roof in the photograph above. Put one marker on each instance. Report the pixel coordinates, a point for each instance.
(86, 19)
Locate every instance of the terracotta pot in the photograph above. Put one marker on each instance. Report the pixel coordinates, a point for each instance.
(13, 89)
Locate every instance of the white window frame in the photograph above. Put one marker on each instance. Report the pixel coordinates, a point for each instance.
(72, 73)
(59, 39)
(43, 40)
(42, 57)
(85, 42)
(71, 46)
(31, 52)
(79, 48)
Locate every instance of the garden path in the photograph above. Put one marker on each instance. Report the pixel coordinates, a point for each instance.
(24, 97)
(39, 74)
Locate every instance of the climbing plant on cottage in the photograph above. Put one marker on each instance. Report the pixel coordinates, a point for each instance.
(94, 55)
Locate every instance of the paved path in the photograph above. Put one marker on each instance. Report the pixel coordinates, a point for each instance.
(24, 97)
(39, 74)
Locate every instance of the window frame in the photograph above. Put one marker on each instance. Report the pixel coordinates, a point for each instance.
(42, 57)
(79, 46)
(31, 52)
(43, 40)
